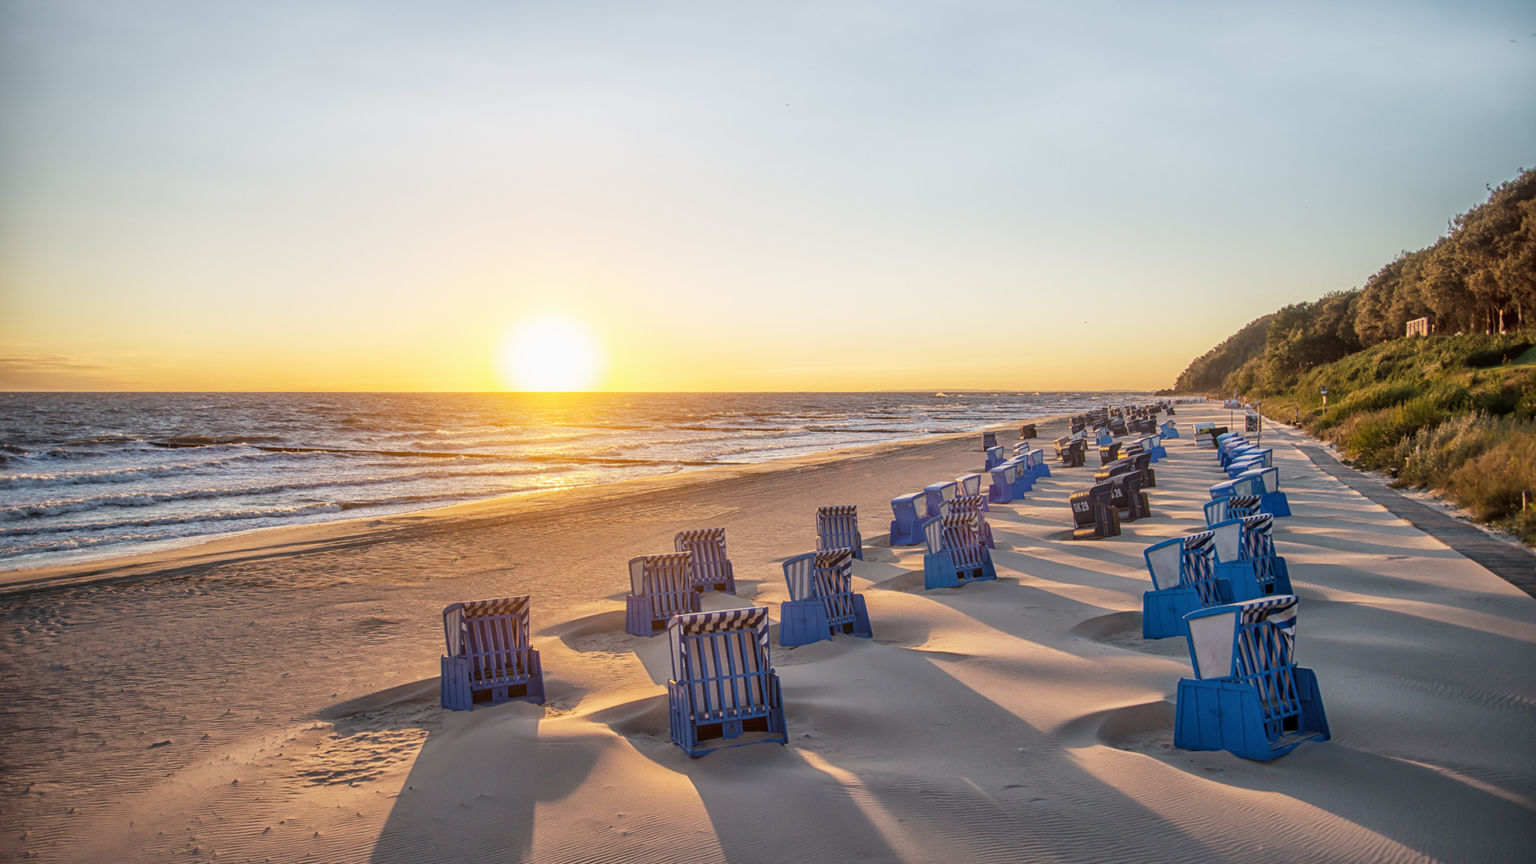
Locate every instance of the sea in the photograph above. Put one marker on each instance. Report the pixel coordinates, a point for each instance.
(96, 475)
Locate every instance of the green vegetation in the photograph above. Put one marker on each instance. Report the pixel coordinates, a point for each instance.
(1455, 413)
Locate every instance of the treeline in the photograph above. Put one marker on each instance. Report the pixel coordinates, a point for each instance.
(1479, 278)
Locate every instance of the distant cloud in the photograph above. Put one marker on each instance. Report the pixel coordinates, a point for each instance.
(53, 372)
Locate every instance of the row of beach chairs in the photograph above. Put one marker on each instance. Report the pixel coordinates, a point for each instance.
(1228, 593)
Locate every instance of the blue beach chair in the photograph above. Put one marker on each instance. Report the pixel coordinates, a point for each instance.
(956, 553)
(1267, 487)
(724, 691)
(909, 512)
(1169, 431)
(994, 458)
(1037, 464)
(1248, 695)
(489, 658)
(821, 600)
(1230, 507)
(1004, 486)
(660, 586)
(837, 527)
(1255, 571)
(968, 484)
(712, 569)
(1184, 579)
(974, 505)
(938, 493)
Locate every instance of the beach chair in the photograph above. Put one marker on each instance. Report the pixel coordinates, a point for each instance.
(489, 658)
(956, 553)
(974, 505)
(909, 512)
(1126, 494)
(1153, 445)
(1004, 487)
(1248, 561)
(1230, 507)
(821, 601)
(1026, 431)
(1109, 452)
(1205, 434)
(724, 691)
(660, 586)
(1117, 425)
(1103, 439)
(1093, 513)
(988, 440)
(968, 484)
(837, 527)
(1248, 696)
(1184, 579)
(1037, 465)
(1267, 487)
(1169, 430)
(938, 493)
(995, 458)
(711, 567)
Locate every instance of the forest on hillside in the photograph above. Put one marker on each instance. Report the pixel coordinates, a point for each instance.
(1478, 278)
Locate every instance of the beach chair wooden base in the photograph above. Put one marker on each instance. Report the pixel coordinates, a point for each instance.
(458, 694)
(802, 622)
(699, 739)
(1223, 715)
(940, 571)
(639, 619)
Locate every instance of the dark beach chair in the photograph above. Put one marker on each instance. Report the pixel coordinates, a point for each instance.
(724, 691)
(821, 600)
(660, 586)
(711, 567)
(1093, 512)
(1248, 695)
(489, 658)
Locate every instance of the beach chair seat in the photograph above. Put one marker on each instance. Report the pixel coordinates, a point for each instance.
(1184, 579)
(909, 512)
(974, 505)
(1169, 430)
(1037, 464)
(1094, 514)
(1248, 696)
(1126, 493)
(956, 554)
(712, 569)
(724, 691)
(1266, 484)
(995, 457)
(1003, 487)
(660, 586)
(837, 527)
(821, 600)
(1230, 507)
(1248, 561)
(489, 658)
(940, 493)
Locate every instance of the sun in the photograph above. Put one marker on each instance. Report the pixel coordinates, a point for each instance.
(549, 354)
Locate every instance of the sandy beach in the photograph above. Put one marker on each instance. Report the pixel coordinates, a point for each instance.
(274, 696)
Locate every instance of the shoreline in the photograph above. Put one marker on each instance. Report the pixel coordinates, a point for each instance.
(230, 547)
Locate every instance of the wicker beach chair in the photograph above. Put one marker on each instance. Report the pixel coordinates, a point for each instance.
(723, 691)
(489, 658)
(821, 600)
(974, 505)
(837, 527)
(956, 553)
(712, 569)
(1248, 695)
(1094, 514)
(660, 586)
(1184, 579)
(1248, 561)
(988, 440)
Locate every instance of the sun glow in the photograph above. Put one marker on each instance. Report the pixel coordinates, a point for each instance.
(549, 354)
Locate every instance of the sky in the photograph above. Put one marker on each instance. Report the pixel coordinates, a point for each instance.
(718, 196)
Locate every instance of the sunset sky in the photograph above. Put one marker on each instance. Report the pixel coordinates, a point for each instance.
(819, 196)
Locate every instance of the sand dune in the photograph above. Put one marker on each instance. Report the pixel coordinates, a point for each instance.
(275, 698)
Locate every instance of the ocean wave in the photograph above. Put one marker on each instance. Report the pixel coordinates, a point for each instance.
(132, 473)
